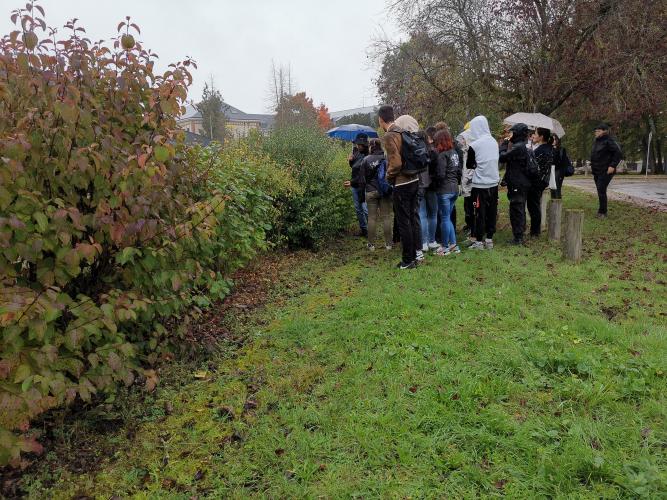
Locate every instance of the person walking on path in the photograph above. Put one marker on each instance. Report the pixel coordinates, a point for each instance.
(379, 204)
(446, 184)
(483, 158)
(355, 159)
(605, 157)
(514, 154)
(544, 155)
(405, 189)
(563, 166)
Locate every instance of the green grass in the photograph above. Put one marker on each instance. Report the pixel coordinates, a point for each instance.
(503, 373)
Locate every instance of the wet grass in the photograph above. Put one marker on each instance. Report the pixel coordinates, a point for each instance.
(502, 373)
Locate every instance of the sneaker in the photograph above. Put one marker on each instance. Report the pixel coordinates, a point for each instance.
(370, 246)
(477, 245)
(470, 242)
(424, 247)
(601, 216)
(388, 247)
(516, 242)
(488, 244)
(442, 251)
(420, 256)
(409, 265)
(454, 249)
(433, 246)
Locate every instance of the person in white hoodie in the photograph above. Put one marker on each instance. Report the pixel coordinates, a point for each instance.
(483, 159)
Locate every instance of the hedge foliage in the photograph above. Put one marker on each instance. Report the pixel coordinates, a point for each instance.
(113, 234)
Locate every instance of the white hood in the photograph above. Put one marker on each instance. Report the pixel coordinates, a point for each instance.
(486, 153)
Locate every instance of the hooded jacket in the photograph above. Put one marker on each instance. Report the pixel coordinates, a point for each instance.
(369, 168)
(393, 143)
(515, 160)
(482, 154)
(606, 153)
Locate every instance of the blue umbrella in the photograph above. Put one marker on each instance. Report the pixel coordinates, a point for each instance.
(351, 131)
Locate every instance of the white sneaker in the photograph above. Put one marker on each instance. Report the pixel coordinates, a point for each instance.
(420, 256)
(469, 242)
(433, 246)
(371, 247)
(424, 247)
(478, 245)
(454, 249)
(442, 251)
(488, 244)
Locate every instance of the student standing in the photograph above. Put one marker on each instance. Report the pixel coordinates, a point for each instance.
(514, 154)
(544, 156)
(562, 166)
(358, 154)
(405, 189)
(446, 183)
(379, 203)
(483, 159)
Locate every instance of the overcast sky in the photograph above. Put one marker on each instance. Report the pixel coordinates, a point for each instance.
(325, 42)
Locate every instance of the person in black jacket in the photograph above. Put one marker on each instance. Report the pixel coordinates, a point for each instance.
(358, 154)
(562, 164)
(605, 157)
(544, 155)
(514, 155)
(378, 205)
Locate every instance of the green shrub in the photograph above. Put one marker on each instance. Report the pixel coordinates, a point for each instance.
(111, 235)
(324, 207)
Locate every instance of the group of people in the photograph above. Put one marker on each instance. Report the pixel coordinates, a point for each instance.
(410, 181)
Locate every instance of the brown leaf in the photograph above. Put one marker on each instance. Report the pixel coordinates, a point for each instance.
(413, 389)
(500, 484)
(280, 452)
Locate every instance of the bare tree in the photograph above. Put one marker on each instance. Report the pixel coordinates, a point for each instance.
(281, 85)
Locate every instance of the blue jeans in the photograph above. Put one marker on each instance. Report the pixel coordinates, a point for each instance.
(428, 214)
(446, 204)
(360, 207)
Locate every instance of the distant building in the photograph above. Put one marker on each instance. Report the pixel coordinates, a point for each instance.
(367, 110)
(239, 124)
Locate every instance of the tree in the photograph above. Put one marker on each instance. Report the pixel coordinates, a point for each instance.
(296, 110)
(281, 85)
(323, 117)
(212, 109)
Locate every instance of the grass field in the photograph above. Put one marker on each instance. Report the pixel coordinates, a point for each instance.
(497, 373)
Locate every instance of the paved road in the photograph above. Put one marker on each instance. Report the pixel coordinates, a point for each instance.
(651, 190)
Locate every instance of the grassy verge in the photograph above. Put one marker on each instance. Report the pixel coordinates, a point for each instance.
(506, 372)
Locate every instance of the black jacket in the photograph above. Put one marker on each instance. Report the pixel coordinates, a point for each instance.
(561, 160)
(447, 173)
(368, 172)
(515, 165)
(605, 153)
(355, 165)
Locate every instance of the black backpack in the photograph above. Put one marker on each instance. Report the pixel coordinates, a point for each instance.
(414, 154)
(532, 167)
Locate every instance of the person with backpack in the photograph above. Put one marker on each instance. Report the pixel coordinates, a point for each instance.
(519, 161)
(605, 157)
(562, 166)
(544, 155)
(483, 159)
(428, 203)
(407, 155)
(378, 194)
(446, 184)
(355, 159)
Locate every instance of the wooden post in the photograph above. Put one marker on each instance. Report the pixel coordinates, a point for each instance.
(555, 211)
(574, 228)
(543, 208)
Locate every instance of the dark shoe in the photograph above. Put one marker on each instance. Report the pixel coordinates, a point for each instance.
(409, 265)
(516, 242)
(363, 233)
(535, 235)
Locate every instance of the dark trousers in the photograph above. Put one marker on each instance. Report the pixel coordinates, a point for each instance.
(486, 211)
(517, 198)
(406, 208)
(534, 200)
(602, 183)
(469, 209)
(556, 193)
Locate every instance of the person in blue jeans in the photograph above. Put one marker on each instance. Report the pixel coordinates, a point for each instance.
(446, 185)
(428, 203)
(356, 184)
